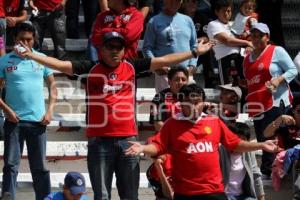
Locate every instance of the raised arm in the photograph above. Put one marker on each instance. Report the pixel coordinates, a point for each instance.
(53, 63)
(172, 59)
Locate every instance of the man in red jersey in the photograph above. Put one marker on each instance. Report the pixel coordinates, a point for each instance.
(123, 17)
(49, 14)
(111, 110)
(194, 145)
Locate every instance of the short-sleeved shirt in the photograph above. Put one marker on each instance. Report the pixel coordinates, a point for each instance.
(24, 84)
(60, 196)
(194, 150)
(221, 50)
(111, 96)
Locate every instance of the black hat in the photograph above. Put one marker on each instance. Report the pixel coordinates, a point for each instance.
(113, 35)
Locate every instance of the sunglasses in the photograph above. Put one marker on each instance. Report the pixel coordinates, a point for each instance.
(111, 47)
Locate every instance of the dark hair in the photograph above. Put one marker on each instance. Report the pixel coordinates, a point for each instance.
(24, 27)
(222, 4)
(190, 90)
(240, 129)
(247, 1)
(177, 69)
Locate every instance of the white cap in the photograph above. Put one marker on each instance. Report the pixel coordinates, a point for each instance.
(236, 89)
(261, 27)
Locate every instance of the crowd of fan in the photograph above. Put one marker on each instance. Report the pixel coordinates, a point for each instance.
(200, 149)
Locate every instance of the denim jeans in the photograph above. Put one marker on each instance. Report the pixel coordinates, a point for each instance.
(241, 197)
(34, 134)
(92, 52)
(106, 156)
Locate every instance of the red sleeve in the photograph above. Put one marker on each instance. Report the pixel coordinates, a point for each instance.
(162, 140)
(228, 138)
(97, 32)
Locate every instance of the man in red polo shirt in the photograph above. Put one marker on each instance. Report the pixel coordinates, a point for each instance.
(49, 14)
(193, 138)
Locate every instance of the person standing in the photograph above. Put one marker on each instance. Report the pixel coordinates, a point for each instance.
(170, 32)
(193, 138)
(50, 16)
(26, 117)
(122, 17)
(111, 110)
(268, 69)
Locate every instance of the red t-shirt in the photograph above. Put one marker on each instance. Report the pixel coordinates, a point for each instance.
(48, 5)
(111, 96)
(194, 150)
(13, 7)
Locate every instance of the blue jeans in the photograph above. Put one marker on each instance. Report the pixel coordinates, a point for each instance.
(241, 197)
(106, 156)
(92, 52)
(34, 134)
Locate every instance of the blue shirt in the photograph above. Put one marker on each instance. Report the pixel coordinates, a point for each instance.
(24, 84)
(60, 196)
(170, 34)
(281, 65)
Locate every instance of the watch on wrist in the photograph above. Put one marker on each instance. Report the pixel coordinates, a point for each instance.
(194, 52)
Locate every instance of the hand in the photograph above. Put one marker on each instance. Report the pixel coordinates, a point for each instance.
(202, 47)
(275, 82)
(135, 149)
(288, 120)
(47, 118)
(271, 146)
(11, 21)
(162, 71)
(33, 7)
(205, 39)
(12, 116)
(24, 54)
(249, 44)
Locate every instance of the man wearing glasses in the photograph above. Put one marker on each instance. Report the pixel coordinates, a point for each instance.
(110, 110)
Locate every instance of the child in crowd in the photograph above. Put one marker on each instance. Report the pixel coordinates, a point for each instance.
(227, 50)
(245, 19)
(241, 175)
(74, 188)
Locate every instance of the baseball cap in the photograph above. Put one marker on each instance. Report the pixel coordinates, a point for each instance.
(261, 27)
(235, 89)
(113, 35)
(75, 182)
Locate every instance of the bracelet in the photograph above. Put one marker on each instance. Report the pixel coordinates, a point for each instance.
(194, 52)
